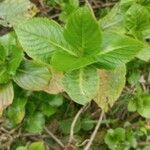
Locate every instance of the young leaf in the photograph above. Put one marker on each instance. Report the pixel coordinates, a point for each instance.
(6, 96)
(137, 18)
(144, 107)
(21, 148)
(67, 7)
(113, 20)
(70, 62)
(83, 33)
(35, 123)
(14, 11)
(117, 50)
(32, 76)
(40, 37)
(16, 112)
(111, 85)
(36, 146)
(81, 85)
(144, 54)
(113, 137)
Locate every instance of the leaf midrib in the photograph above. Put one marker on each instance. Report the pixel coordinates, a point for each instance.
(51, 42)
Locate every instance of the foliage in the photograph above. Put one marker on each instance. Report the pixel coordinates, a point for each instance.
(44, 62)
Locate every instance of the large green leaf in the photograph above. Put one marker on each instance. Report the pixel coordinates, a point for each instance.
(14, 11)
(117, 50)
(82, 32)
(32, 76)
(110, 88)
(81, 85)
(63, 61)
(6, 96)
(40, 37)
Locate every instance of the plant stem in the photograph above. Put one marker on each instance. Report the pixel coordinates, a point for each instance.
(71, 138)
(54, 137)
(95, 131)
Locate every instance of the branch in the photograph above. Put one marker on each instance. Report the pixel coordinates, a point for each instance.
(54, 137)
(95, 131)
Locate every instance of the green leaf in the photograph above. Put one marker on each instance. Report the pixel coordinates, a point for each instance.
(40, 37)
(132, 106)
(111, 85)
(35, 123)
(82, 85)
(144, 107)
(144, 54)
(82, 32)
(12, 56)
(36, 146)
(146, 148)
(21, 148)
(137, 18)
(113, 20)
(14, 11)
(8, 40)
(70, 62)
(6, 96)
(113, 137)
(117, 50)
(3, 54)
(56, 101)
(67, 7)
(15, 58)
(48, 110)
(16, 112)
(32, 76)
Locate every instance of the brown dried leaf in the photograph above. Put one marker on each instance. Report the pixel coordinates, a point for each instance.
(111, 86)
(6, 96)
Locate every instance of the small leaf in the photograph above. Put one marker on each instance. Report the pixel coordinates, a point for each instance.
(111, 85)
(32, 76)
(6, 96)
(144, 107)
(113, 137)
(82, 85)
(14, 11)
(21, 148)
(144, 54)
(117, 50)
(82, 32)
(36, 146)
(35, 123)
(16, 112)
(132, 106)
